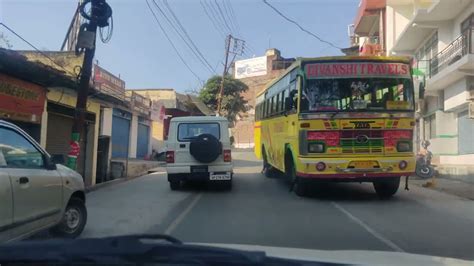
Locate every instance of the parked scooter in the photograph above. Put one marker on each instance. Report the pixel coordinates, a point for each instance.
(424, 169)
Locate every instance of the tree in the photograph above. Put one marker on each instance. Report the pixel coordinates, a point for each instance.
(232, 101)
(4, 42)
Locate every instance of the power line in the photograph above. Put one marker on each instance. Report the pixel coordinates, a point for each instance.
(215, 14)
(38, 50)
(185, 32)
(299, 26)
(232, 13)
(227, 13)
(193, 49)
(212, 20)
(172, 44)
(222, 15)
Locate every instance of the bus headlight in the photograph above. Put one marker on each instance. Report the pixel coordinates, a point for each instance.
(403, 146)
(316, 147)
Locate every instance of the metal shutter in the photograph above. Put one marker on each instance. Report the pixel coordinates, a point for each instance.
(120, 136)
(142, 140)
(58, 137)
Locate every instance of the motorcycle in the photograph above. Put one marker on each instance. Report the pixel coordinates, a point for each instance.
(424, 169)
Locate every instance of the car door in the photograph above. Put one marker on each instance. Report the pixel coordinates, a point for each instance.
(6, 200)
(37, 191)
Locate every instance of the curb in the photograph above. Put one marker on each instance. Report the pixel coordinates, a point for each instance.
(112, 182)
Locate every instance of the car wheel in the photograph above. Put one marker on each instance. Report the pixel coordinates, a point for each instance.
(387, 188)
(175, 185)
(73, 221)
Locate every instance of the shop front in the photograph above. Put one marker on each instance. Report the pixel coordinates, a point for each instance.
(58, 128)
(22, 103)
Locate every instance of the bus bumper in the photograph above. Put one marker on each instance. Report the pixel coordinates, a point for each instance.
(355, 169)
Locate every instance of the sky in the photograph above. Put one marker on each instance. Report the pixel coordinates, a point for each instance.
(143, 57)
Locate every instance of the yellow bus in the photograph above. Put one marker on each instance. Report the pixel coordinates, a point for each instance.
(342, 119)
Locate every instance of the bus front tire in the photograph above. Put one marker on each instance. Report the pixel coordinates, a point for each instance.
(301, 187)
(387, 188)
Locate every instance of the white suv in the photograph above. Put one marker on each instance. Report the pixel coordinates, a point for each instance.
(198, 149)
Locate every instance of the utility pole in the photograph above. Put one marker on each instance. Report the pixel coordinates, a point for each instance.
(99, 15)
(221, 90)
(237, 49)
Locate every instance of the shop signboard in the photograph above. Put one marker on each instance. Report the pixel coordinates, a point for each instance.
(108, 84)
(21, 100)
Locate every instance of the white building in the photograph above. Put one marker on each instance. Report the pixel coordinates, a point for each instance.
(439, 34)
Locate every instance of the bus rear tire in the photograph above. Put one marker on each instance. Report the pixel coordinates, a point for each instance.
(385, 189)
(268, 170)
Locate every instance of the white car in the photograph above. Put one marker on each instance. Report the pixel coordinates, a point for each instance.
(198, 149)
(35, 193)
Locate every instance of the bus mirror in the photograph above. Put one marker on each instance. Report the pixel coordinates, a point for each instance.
(288, 103)
(421, 90)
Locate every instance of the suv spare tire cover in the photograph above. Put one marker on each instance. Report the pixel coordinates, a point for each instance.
(205, 148)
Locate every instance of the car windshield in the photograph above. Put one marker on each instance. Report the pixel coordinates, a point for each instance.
(342, 129)
(374, 94)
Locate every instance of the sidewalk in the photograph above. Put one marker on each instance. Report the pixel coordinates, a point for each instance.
(447, 185)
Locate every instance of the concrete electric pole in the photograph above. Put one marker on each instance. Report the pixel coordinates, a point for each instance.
(232, 46)
(100, 12)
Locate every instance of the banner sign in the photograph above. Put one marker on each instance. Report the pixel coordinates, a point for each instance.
(158, 111)
(357, 70)
(251, 67)
(21, 100)
(108, 84)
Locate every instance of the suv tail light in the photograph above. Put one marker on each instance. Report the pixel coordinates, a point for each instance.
(227, 156)
(169, 156)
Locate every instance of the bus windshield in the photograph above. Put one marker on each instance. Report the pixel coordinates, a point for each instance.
(358, 94)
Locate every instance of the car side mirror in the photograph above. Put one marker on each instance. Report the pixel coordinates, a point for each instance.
(49, 163)
(57, 159)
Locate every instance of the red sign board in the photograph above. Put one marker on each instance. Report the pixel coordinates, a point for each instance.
(108, 84)
(21, 100)
(357, 70)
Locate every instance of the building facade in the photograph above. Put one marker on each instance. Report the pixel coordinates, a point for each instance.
(256, 73)
(439, 36)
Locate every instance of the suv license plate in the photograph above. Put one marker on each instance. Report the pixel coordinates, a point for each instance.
(219, 177)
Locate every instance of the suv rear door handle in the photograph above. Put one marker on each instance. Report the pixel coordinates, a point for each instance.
(182, 145)
(23, 180)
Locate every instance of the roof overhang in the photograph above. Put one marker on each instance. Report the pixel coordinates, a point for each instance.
(367, 16)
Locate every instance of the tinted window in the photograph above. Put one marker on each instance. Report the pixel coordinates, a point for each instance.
(189, 131)
(18, 152)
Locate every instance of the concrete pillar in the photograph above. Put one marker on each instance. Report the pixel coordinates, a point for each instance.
(133, 137)
(44, 125)
(106, 120)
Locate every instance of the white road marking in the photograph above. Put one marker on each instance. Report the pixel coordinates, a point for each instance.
(161, 172)
(180, 217)
(368, 228)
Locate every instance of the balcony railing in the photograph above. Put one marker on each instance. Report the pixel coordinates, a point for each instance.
(460, 47)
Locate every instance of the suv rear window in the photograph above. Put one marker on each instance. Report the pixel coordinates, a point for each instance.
(189, 131)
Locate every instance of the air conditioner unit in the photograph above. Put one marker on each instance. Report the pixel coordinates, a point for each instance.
(471, 110)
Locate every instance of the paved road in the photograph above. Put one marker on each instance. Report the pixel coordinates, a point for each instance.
(261, 211)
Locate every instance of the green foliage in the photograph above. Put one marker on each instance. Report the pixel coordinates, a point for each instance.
(232, 102)
(4, 42)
